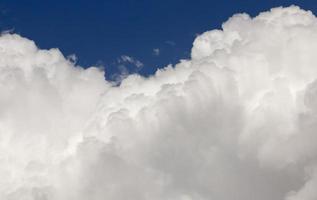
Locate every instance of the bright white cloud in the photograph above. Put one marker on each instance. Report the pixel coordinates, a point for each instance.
(237, 121)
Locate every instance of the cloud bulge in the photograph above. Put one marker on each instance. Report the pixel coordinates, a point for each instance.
(236, 121)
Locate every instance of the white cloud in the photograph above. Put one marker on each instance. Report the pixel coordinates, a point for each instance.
(126, 65)
(171, 43)
(131, 60)
(156, 51)
(237, 121)
(72, 58)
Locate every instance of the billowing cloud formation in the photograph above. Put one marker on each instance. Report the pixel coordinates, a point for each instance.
(237, 121)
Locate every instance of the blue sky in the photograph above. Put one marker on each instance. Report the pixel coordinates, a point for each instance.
(154, 33)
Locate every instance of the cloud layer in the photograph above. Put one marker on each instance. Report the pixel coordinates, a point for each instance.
(236, 121)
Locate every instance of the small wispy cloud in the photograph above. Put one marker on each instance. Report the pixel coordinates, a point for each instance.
(72, 58)
(125, 66)
(171, 43)
(156, 51)
(131, 60)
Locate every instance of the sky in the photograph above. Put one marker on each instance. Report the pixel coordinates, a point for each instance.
(235, 120)
(99, 32)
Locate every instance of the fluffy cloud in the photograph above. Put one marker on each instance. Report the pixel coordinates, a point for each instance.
(236, 121)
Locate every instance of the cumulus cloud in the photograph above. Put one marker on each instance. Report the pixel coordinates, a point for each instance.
(236, 121)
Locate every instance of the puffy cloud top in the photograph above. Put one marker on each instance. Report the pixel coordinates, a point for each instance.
(236, 121)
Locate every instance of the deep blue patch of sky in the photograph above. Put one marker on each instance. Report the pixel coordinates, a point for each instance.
(100, 32)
